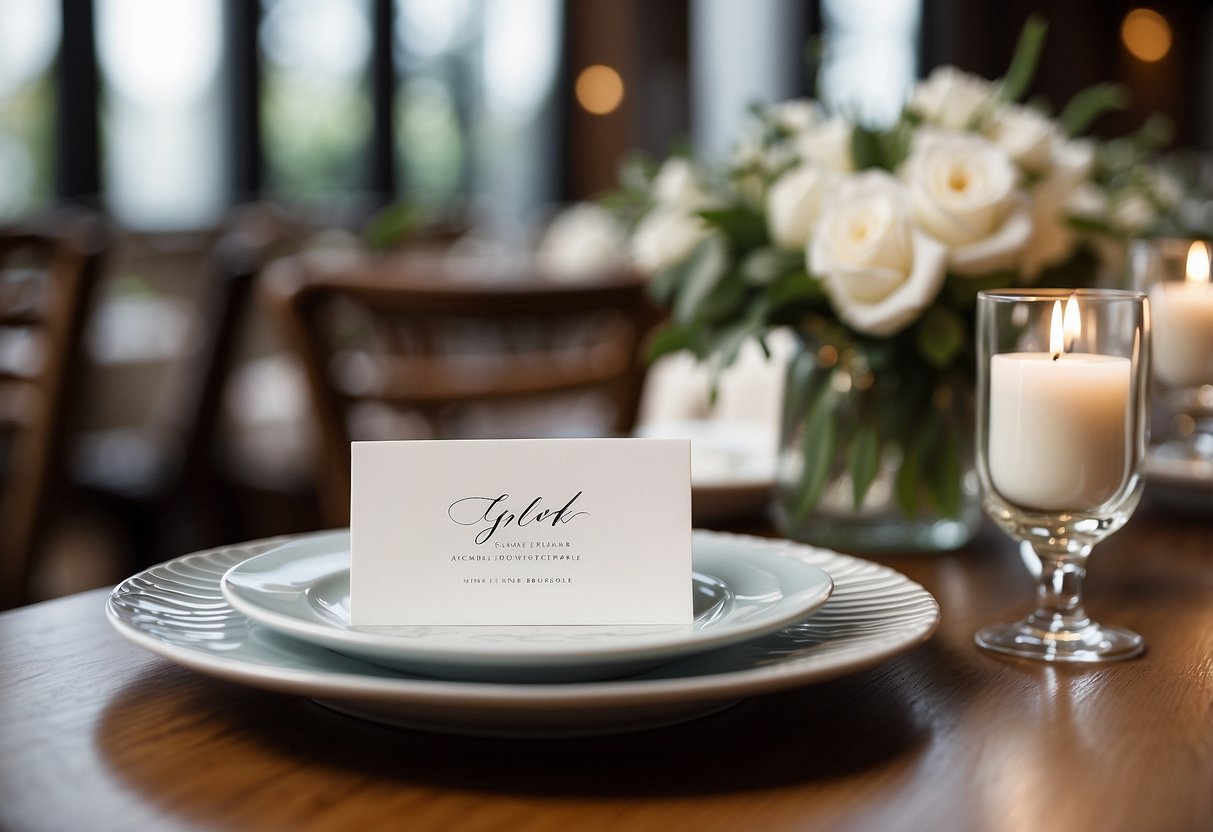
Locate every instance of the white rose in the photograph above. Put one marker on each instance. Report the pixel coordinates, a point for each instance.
(747, 152)
(675, 185)
(964, 192)
(951, 98)
(1025, 135)
(665, 237)
(1088, 201)
(1132, 213)
(1059, 194)
(877, 269)
(1168, 190)
(794, 116)
(1074, 159)
(828, 144)
(584, 239)
(794, 203)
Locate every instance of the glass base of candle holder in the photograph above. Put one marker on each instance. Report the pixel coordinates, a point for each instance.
(1033, 639)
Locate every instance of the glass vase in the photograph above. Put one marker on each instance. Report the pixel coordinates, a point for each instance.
(876, 450)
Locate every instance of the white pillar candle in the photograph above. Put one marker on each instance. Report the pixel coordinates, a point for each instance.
(1058, 436)
(1181, 314)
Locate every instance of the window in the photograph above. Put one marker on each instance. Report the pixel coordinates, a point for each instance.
(475, 104)
(316, 107)
(162, 112)
(313, 102)
(29, 40)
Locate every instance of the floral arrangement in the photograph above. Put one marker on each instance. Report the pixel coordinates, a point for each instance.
(872, 244)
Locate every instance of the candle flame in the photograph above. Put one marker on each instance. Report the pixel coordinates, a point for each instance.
(1072, 323)
(1198, 263)
(1056, 332)
(1064, 330)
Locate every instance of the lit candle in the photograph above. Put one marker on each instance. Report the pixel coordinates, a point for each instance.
(1181, 314)
(1057, 432)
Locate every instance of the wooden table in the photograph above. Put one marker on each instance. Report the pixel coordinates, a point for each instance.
(96, 734)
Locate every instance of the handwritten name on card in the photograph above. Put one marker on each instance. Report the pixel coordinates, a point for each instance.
(522, 531)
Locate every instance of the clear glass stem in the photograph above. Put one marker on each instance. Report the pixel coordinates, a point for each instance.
(1059, 591)
(1059, 630)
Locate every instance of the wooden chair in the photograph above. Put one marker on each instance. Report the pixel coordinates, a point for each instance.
(174, 499)
(47, 281)
(391, 353)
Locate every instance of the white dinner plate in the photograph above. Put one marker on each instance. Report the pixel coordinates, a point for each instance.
(732, 465)
(302, 588)
(177, 610)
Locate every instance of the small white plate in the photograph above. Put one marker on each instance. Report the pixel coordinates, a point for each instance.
(1180, 472)
(176, 610)
(302, 589)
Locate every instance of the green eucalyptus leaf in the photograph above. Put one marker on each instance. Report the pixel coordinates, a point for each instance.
(896, 145)
(818, 445)
(731, 338)
(941, 475)
(1155, 134)
(805, 381)
(723, 302)
(764, 266)
(795, 288)
(673, 338)
(1090, 104)
(867, 148)
(905, 488)
(863, 459)
(939, 335)
(1025, 60)
(763, 345)
(665, 284)
(744, 227)
(1091, 225)
(697, 277)
(725, 351)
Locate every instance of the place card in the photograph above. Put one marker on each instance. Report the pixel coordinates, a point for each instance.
(521, 531)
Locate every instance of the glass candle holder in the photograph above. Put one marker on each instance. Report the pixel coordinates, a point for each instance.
(1174, 273)
(1062, 429)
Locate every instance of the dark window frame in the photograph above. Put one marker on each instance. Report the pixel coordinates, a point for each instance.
(79, 172)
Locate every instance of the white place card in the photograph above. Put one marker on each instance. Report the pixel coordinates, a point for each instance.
(521, 531)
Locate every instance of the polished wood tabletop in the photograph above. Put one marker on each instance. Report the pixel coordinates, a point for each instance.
(97, 734)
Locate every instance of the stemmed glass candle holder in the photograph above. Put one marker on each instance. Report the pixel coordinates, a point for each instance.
(1174, 273)
(1062, 428)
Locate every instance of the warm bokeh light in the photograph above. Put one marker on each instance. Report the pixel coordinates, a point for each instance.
(599, 89)
(1146, 34)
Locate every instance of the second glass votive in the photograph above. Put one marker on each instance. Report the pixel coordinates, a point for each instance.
(1175, 273)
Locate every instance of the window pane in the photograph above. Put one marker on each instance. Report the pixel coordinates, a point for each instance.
(316, 108)
(162, 119)
(515, 135)
(29, 39)
(436, 55)
(475, 104)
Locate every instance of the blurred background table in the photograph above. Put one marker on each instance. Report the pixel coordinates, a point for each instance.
(100, 735)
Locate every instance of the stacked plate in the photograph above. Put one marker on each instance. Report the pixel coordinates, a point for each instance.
(768, 615)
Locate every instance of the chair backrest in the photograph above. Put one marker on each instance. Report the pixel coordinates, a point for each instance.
(47, 281)
(390, 353)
